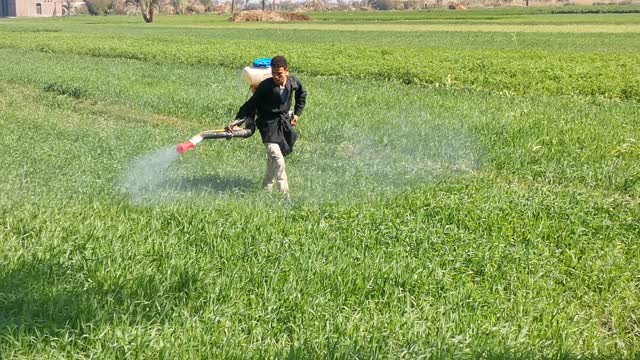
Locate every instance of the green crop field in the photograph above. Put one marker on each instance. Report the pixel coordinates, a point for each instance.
(466, 185)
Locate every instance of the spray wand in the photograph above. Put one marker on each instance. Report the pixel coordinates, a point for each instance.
(207, 135)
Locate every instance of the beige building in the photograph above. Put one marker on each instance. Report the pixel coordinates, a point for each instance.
(30, 8)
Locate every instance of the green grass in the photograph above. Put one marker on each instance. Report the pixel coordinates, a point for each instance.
(424, 221)
(547, 14)
(515, 61)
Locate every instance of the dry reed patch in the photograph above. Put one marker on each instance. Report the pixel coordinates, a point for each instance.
(257, 15)
(456, 6)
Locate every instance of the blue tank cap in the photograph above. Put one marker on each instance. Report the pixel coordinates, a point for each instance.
(262, 62)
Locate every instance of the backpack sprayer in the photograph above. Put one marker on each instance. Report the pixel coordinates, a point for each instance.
(252, 75)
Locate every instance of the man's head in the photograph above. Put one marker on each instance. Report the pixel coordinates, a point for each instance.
(279, 70)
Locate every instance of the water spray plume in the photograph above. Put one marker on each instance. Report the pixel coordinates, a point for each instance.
(147, 175)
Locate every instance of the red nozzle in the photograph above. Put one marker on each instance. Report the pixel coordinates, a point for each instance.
(182, 148)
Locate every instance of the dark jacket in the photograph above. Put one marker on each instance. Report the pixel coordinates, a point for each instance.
(272, 111)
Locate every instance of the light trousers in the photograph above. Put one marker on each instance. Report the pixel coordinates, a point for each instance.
(275, 169)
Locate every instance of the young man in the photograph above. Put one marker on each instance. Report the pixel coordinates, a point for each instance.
(271, 102)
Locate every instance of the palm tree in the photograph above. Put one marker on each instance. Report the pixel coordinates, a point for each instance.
(68, 6)
(315, 5)
(147, 7)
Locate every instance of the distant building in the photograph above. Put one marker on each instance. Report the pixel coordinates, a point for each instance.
(30, 8)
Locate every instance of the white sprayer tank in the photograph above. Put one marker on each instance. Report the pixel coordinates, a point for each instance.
(253, 75)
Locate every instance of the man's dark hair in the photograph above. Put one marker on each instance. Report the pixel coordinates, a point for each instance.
(279, 62)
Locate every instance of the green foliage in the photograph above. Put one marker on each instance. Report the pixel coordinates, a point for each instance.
(98, 7)
(383, 4)
(518, 63)
(505, 14)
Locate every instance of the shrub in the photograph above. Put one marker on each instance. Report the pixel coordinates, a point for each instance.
(180, 6)
(167, 9)
(98, 7)
(118, 7)
(195, 8)
(383, 4)
(132, 10)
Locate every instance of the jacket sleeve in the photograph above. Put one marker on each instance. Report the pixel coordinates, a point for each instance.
(249, 108)
(301, 98)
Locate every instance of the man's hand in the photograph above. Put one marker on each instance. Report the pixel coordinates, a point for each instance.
(294, 120)
(232, 127)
